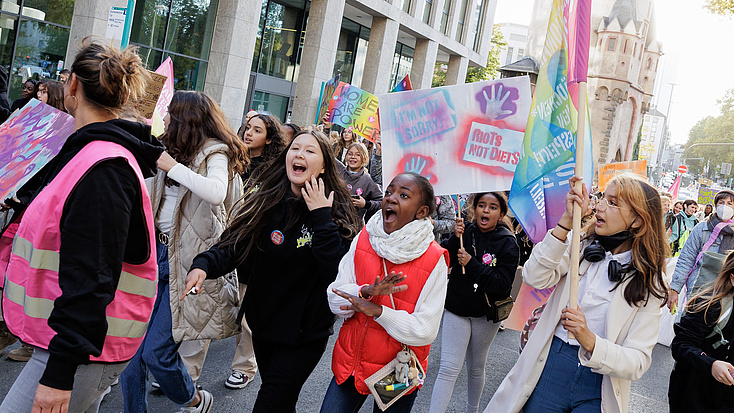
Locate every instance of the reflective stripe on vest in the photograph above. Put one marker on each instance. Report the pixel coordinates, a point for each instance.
(32, 276)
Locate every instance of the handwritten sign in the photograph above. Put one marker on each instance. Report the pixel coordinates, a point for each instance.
(152, 94)
(355, 108)
(610, 170)
(706, 195)
(164, 99)
(28, 140)
(463, 138)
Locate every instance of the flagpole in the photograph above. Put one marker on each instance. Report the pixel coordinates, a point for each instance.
(461, 238)
(576, 234)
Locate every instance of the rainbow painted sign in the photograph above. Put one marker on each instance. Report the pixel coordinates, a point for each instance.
(28, 140)
(463, 138)
(355, 108)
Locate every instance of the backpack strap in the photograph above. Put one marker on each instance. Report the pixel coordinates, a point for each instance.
(726, 310)
(714, 234)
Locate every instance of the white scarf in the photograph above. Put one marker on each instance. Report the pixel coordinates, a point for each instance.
(403, 245)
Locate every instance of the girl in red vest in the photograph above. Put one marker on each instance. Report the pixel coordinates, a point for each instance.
(399, 241)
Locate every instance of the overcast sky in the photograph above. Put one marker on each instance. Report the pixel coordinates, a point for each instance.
(698, 52)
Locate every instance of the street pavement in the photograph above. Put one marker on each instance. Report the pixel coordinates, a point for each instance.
(649, 394)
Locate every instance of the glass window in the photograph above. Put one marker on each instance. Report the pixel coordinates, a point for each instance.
(402, 63)
(462, 16)
(268, 102)
(346, 50)
(149, 23)
(280, 41)
(151, 58)
(510, 51)
(445, 17)
(520, 53)
(406, 6)
(7, 38)
(39, 48)
(258, 39)
(477, 16)
(360, 60)
(190, 27)
(188, 74)
(55, 11)
(428, 4)
(612, 44)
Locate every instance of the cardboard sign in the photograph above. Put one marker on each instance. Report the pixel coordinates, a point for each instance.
(610, 170)
(528, 299)
(706, 196)
(152, 94)
(28, 140)
(463, 138)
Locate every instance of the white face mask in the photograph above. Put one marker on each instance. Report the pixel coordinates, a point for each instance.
(724, 212)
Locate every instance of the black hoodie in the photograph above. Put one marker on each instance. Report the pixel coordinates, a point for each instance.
(102, 224)
(495, 256)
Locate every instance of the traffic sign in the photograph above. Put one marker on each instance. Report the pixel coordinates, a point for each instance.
(682, 169)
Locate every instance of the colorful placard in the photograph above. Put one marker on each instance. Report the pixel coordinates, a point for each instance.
(528, 299)
(610, 170)
(164, 98)
(325, 99)
(403, 85)
(464, 138)
(28, 140)
(706, 195)
(352, 107)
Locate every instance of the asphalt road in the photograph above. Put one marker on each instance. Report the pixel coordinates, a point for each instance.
(649, 394)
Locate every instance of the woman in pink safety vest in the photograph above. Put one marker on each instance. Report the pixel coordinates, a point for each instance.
(81, 277)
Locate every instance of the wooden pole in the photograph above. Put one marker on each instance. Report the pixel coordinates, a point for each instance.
(576, 234)
(461, 238)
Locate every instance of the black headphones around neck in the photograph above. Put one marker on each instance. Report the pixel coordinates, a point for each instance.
(596, 253)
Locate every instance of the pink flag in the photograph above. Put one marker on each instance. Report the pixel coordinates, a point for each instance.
(674, 189)
(579, 34)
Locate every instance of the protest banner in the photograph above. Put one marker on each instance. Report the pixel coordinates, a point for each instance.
(152, 93)
(164, 98)
(28, 140)
(610, 170)
(325, 98)
(352, 107)
(463, 138)
(706, 196)
(527, 300)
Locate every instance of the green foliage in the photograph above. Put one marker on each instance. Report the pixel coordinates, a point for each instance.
(723, 7)
(476, 74)
(719, 129)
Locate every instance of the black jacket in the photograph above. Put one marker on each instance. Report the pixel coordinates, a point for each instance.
(692, 387)
(102, 224)
(493, 278)
(287, 276)
(360, 183)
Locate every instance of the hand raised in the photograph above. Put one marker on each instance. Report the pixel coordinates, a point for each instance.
(574, 196)
(459, 227)
(314, 193)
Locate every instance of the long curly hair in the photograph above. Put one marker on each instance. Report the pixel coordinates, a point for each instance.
(194, 118)
(273, 188)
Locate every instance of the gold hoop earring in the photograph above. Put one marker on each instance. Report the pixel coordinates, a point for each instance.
(68, 107)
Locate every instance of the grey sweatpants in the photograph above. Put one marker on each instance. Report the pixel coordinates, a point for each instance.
(90, 383)
(462, 336)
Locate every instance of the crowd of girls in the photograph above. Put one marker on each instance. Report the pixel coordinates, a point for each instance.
(274, 232)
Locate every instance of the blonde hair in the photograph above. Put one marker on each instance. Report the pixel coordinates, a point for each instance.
(110, 76)
(362, 152)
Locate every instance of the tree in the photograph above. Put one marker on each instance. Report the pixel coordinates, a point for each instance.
(713, 129)
(476, 74)
(723, 7)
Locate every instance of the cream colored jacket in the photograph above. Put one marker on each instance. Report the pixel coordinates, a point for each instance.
(197, 225)
(625, 354)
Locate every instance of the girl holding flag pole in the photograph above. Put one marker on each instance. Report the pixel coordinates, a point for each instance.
(621, 292)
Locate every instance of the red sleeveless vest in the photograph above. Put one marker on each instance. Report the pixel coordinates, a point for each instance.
(363, 346)
(32, 279)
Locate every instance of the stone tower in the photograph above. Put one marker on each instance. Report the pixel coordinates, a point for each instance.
(623, 63)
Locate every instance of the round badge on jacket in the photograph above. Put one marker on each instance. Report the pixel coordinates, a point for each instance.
(277, 237)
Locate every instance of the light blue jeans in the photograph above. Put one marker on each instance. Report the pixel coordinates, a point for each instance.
(90, 383)
(158, 354)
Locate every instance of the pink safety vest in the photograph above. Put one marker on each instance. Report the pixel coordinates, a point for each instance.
(32, 278)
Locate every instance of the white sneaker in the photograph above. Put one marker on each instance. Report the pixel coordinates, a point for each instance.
(237, 380)
(204, 406)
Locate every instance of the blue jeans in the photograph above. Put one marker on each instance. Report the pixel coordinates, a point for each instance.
(565, 385)
(158, 354)
(344, 398)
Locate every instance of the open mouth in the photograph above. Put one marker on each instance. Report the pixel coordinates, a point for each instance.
(484, 220)
(388, 215)
(299, 168)
(599, 220)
